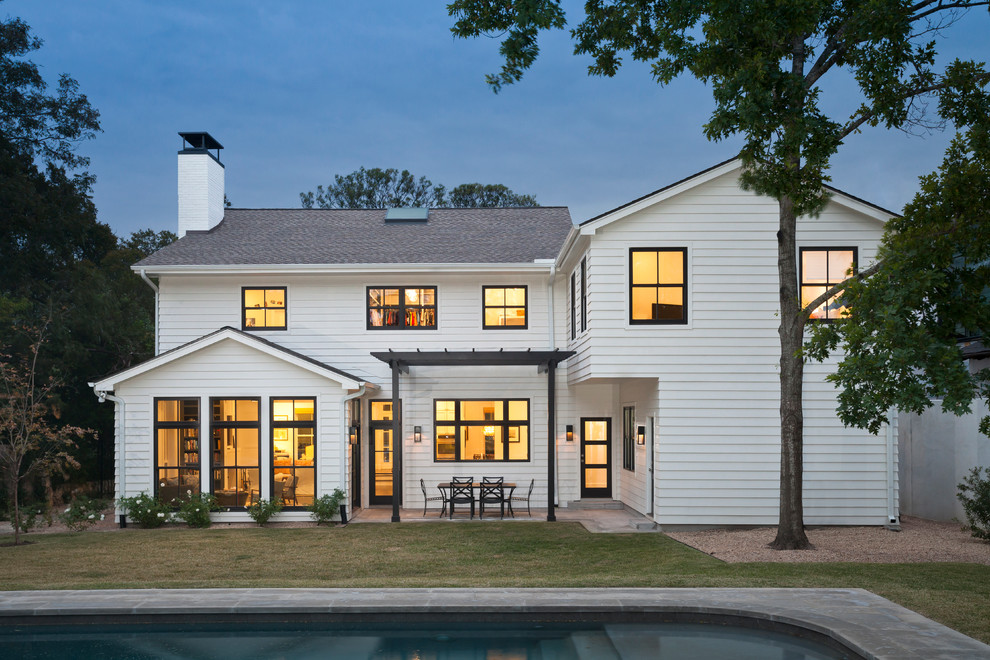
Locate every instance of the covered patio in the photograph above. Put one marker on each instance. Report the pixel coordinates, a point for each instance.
(400, 362)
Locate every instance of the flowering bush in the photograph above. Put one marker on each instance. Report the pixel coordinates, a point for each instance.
(82, 512)
(146, 510)
(325, 508)
(195, 509)
(262, 510)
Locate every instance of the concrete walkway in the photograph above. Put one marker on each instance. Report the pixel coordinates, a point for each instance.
(598, 521)
(863, 622)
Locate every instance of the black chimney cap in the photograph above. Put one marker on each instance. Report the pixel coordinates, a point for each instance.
(201, 140)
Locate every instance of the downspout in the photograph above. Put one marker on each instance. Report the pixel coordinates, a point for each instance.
(144, 277)
(121, 443)
(550, 346)
(344, 482)
(893, 520)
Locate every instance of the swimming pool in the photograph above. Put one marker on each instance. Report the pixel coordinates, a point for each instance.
(852, 620)
(450, 641)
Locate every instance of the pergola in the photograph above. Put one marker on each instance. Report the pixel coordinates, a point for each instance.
(544, 361)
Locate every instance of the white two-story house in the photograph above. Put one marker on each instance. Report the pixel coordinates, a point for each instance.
(632, 357)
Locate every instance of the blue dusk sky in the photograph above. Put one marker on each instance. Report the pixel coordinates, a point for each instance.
(297, 91)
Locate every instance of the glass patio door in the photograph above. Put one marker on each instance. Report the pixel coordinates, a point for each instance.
(596, 457)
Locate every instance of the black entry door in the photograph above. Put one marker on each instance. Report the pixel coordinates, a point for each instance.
(381, 451)
(596, 457)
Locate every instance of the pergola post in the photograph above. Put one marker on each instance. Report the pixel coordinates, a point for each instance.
(551, 437)
(396, 441)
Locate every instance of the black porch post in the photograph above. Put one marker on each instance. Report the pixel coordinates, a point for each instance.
(551, 436)
(396, 442)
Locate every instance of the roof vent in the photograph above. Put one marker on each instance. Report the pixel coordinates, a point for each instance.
(408, 214)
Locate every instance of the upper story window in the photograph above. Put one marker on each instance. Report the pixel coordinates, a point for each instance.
(573, 306)
(821, 269)
(584, 294)
(402, 308)
(504, 307)
(263, 309)
(658, 285)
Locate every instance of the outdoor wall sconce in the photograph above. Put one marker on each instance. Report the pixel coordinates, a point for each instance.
(569, 432)
(417, 434)
(352, 434)
(641, 435)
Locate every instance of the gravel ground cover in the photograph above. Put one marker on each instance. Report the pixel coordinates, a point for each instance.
(919, 540)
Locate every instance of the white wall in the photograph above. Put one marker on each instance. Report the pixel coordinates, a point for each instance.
(719, 430)
(937, 450)
(228, 369)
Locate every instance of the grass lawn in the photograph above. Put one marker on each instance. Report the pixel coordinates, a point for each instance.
(460, 555)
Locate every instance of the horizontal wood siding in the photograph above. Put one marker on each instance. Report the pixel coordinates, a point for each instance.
(718, 443)
(229, 369)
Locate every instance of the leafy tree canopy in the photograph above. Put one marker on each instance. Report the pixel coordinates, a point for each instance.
(901, 343)
(376, 188)
(36, 123)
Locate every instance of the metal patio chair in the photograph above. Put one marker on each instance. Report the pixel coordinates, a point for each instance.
(426, 499)
(492, 492)
(521, 498)
(461, 492)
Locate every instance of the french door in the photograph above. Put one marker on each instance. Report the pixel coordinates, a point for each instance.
(596, 457)
(382, 454)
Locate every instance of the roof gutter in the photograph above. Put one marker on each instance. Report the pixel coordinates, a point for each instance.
(538, 265)
(345, 439)
(154, 287)
(120, 442)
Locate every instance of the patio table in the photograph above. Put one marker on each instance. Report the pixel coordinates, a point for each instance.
(510, 485)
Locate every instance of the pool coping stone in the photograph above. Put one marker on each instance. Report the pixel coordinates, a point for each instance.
(873, 626)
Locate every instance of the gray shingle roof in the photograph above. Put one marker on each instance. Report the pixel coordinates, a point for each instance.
(319, 236)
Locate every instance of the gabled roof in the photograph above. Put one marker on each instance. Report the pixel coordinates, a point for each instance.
(321, 237)
(350, 381)
(731, 165)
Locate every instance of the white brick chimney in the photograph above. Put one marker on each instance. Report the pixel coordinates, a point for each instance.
(200, 183)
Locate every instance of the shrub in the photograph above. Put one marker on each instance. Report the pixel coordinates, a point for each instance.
(29, 517)
(146, 510)
(262, 510)
(325, 508)
(195, 509)
(82, 512)
(974, 493)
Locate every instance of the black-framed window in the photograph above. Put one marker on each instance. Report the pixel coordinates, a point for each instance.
(658, 286)
(176, 448)
(584, 294)
(402, 308)
(294, 450)
(820, 269)
(629, 437)
(505, 307)
(481, 429)
(573, 306)
(235, 456)
(263, 308)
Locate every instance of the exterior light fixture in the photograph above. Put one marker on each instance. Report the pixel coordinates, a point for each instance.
(352, 434)
(641, 435)
(417, 434)
(569, 432)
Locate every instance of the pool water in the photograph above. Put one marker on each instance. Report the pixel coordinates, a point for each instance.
(428, 641)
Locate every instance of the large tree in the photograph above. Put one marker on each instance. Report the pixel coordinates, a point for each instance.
(767, 63)
(378, 188)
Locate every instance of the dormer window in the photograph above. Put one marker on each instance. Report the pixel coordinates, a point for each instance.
(263, 309)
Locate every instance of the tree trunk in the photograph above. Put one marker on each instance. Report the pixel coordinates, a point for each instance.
(13, 483)
(790, 526)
